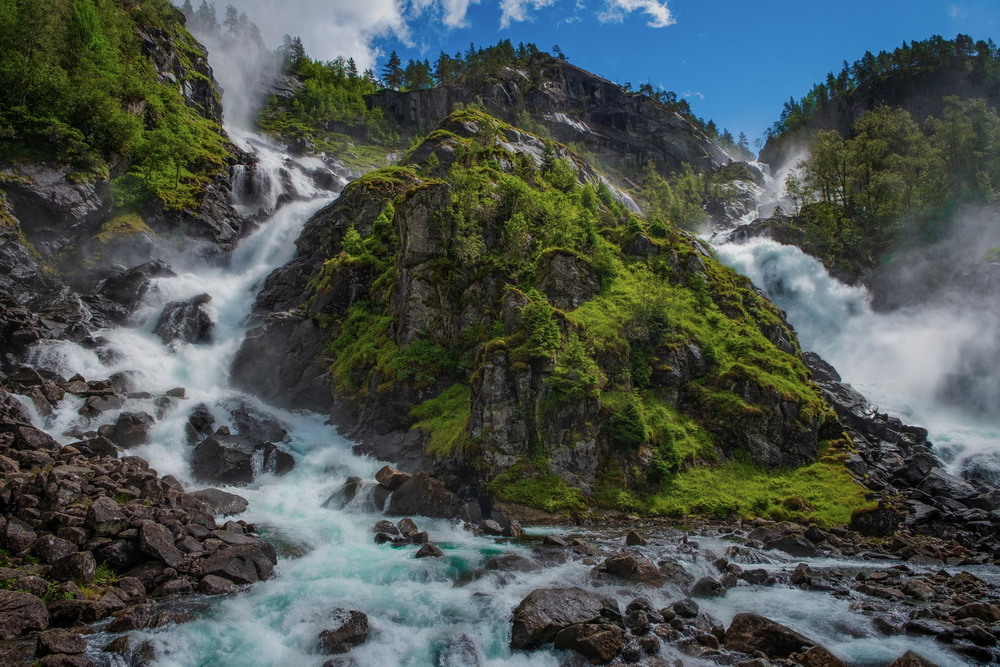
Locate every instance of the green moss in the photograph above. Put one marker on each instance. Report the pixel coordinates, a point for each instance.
(536, 487)
(123, 226)
(823, 493)
(445, 418)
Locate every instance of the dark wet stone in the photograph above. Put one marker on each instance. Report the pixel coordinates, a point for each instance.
(350, 629)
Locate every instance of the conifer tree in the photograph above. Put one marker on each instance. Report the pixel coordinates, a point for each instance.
(392, 73)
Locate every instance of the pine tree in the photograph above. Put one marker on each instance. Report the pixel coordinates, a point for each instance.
(392, 73)
(187, 9)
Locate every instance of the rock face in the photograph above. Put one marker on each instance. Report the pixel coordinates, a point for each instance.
(185, 321)
(20, 613)
(750, 633)
(229, 459)
(545, 612)
(575, 106)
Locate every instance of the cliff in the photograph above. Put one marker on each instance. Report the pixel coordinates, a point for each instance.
(491, 313)
(622, 129)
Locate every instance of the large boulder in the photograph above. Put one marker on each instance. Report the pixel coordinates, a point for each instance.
(220, 502)
(599, 642)
(630, 566)
(241, 564)
(105, 517)
(229, 459)
(545, 612)
(185, 322)
(426, 496)
(131, 429)
(749, 633)
(20, 613)
(350, 629)
(157, 541)
(881, 521)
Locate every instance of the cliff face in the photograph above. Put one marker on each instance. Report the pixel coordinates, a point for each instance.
(620, 128)
(490, 314)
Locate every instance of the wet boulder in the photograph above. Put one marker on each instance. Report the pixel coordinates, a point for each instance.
(64, 642)
(630, 566)
(131, 429)
(185, 322)
(350, 629)
(106, 518)
(545, 612)
(241, 564)
(157, 541)
(881, 521)
(425, 496)
(128, 288)
(598, 642)
(749, 633)
(391, 478)
(429, 550)
(708, 587)
(219, 502)
(229, 459)
(20, 613)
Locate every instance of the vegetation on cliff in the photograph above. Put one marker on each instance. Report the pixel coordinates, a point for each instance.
(78, 87)
(894, 181)
(569, 351)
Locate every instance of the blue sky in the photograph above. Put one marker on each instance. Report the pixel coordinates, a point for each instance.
(736, 61)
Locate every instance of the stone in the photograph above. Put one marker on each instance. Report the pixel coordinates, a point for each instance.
(491, 528)
(137, 617)
(157, 541)
(989, 613)
(60, 641)
(350, 630)
(213, 585)
(63, 660)
(49, 548)
(20, 613)
(818, 656)
(911, 659)
(513, 563)
(220, 502)
(633, 567)
(707, 587)
(429, 551)
(749, 633)
(80, 567)
(242, 564)
(600, 643)
(461, 652)
(185, 322)
(686, 608)
(105, 517)
(881, 521)
(67, 613)
(225, 459)
(545, 612)
(425, 496)
(131, 429)
(794, 545)
(407, 528)
(386, 527)
(513, 529)
(17, 536)
(634, 539)
(391, 478)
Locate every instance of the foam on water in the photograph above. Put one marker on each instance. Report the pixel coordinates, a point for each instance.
(898, 360)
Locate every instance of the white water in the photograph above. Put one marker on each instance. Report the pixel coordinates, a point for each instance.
(898, 360)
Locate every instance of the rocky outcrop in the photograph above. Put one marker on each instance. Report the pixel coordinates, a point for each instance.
(185, 322)
(575, 106)
(545, 612)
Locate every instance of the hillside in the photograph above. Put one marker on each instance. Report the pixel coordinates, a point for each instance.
(488, 311)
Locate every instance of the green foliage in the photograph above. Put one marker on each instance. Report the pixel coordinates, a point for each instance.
(576, 375)
(678, 201)
(626, 427)
(75, 88)
(535, 486)
(446, 419)
(893, 178)
(823, 493)
(543, 335)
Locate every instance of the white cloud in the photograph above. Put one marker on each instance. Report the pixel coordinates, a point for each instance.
(958, 12)
(659, 14)
(455, 11)
(694, 93)
(517, 10)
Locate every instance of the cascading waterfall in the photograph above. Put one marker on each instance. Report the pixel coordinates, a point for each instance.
(900, 360)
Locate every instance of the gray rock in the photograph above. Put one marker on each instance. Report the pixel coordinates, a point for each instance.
(80, 566)
(391, 478)
(131, 429)
(49, 548)
(241, 564)
(20, 613)
(220, 502)
(350, 629)
(185, 322)
(156, 540)
(707, 587)
(545, 612)
(429, 550)
(749, 633)
(598, 642)
(60, 641)
(105, 517)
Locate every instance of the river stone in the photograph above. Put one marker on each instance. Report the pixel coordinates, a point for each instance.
(220, 502)
(351, 630)
(185, 321)
(707, 587)
(600, 643)
(17, 536)
(818, 656)
(213, 585)
(49, 548)
(131, 429)
(491, 527)
(391, 478)
(19, 613)
(156, 540)
(749, 633)
(911, 659)
(105, 518)
(633, 567)
(242, 564)
(80, 566)
(460, 652)
(545, 612)
(429, 551)
(881, 521)
(425, 496)
(387, 527)
(60, 641)
(225, 459)
(634, 539)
